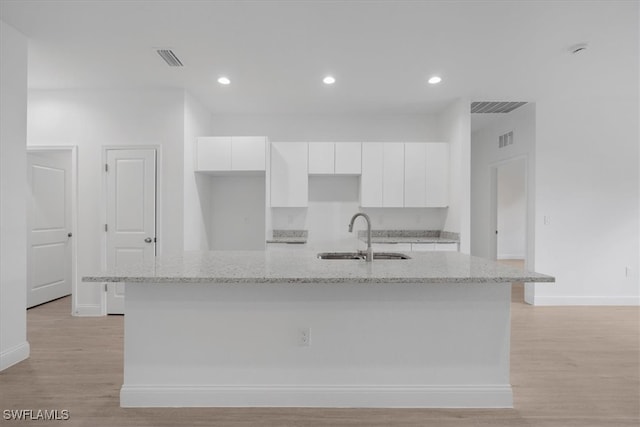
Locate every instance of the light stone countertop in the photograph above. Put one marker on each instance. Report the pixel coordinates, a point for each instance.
(304, 267)
(409, 240)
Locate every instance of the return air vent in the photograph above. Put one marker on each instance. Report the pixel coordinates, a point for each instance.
(494, 107)
(169, 57)
(506, 139)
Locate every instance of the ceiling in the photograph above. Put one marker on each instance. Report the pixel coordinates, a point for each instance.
(277, 52)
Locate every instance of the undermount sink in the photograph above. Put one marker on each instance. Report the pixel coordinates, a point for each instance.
(359, 255)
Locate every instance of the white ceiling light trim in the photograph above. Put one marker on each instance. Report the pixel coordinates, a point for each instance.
(329, 80)
(434, 80)
(224, 80)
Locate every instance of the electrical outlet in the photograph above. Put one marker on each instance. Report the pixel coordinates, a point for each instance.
(547, 220)
(627, 271)
(305, 337)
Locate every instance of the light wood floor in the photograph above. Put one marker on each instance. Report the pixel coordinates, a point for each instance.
(571, 366)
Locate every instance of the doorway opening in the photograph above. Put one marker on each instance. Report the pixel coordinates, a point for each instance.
(52, 228)
(509, 228)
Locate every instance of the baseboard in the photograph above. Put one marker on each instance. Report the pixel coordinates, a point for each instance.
(511, 256)
(14, 355)
(491, 396)
(89, 310)
(582, 300)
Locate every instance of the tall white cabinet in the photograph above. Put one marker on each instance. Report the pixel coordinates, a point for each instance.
(289, 174)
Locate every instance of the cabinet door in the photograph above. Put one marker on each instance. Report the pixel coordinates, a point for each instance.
(248, 153)
(437, 178)
(423, 247)
(371, 179)
(348, 158)
(415, 175)
(289, 174)
(391, 247)
(446, 247)
(321, 158)
(393, 175)
(213, 153)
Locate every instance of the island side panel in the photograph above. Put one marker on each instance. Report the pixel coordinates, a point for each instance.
(370, 345)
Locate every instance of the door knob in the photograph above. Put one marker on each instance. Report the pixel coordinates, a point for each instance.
(148, 240)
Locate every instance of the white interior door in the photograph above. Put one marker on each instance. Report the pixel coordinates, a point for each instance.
(131, 214)
(49, 218)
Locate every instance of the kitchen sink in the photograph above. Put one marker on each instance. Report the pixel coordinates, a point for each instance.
(361, 255)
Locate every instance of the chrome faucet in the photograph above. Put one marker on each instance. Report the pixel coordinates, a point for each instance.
(369, 254)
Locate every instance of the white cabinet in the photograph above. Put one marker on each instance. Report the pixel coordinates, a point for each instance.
(393, 175)
(321, 158)
(329, 158)
(391, 247)
(348, 158)
(289, 174)
(437, 165)
(248, 153)
(230, 153)
(382, 182)
(415, 175)
(430, 247)
(372, 178)
(426, 175)
(213, 153)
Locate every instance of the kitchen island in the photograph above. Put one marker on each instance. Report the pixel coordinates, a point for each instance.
(256, 328)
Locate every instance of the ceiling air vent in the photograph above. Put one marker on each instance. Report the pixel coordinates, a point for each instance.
(169, 57)
(506, 139)
(494, 107)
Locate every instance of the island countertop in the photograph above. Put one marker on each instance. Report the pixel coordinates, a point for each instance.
(304, 267)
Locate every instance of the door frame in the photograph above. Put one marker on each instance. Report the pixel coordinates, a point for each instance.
(73, 151)
(104, 206)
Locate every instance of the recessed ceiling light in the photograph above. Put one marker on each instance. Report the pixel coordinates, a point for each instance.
(435, 80)
(224, 81)
(329, 80)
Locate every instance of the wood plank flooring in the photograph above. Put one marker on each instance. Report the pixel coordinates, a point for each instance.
(571, 366)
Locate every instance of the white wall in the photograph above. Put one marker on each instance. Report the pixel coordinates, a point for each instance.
(197, 188)
(332, 200)
(512, 210)
(13, 188)
(587, 170)
(237, 215)
(454, 127)
(92, 120)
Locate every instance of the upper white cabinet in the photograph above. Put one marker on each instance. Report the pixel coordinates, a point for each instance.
(289, 174)
(321, 158)
(393, 175)
(372, 178)
(382, 182)
(348, 159)
(412, 175)
(329, 158)
(230, 153)
(426, 175)
(437, 165)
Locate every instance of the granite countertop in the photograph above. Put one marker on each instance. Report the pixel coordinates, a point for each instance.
(289, 236)
(304, 267)
(410, 236)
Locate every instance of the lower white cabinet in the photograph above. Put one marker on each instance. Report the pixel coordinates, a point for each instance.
(289, 174)
(391, 247)
(430, 247)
